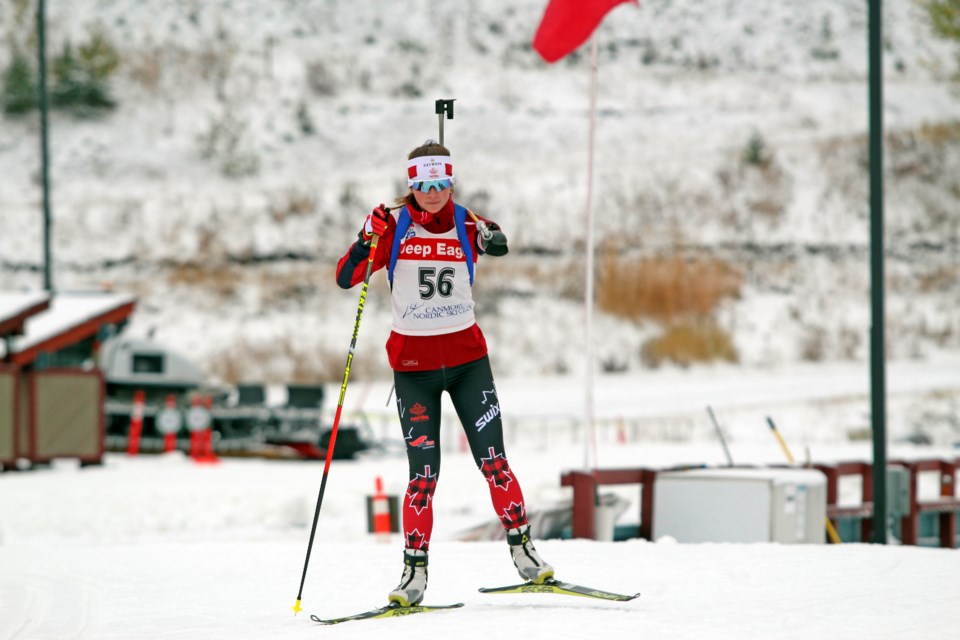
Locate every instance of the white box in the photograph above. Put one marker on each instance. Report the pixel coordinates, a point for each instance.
(741, 505)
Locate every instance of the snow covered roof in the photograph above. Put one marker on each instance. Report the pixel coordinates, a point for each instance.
(17, 307)
(70, 317)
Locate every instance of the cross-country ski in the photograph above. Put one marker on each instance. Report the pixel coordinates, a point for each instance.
(561, 588)
(388, 611)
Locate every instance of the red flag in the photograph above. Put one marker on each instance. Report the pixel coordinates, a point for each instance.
(567, 24)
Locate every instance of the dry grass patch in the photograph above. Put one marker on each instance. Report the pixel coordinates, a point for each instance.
(222, 280)
(664, 288)
(689, 341)
(941, 278)
(682, 294)
(940, 133)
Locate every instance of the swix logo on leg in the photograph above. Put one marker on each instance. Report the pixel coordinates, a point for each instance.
(422, 442)
(492, 412)
(485, 419)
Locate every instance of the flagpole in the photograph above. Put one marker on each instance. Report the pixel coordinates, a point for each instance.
(590, 443)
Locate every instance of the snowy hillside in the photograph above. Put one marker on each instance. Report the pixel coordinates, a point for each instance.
(250, 139)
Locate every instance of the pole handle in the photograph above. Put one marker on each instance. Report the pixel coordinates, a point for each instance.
(481, 226)
(443, 107)
(783, 444)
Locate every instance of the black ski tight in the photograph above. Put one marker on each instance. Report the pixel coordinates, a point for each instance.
(475, 400)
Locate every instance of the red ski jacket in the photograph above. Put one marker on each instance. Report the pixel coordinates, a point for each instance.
(417, 353)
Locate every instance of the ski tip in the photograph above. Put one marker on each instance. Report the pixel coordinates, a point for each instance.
(296, 607)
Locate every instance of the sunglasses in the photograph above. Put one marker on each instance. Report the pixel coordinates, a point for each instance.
(430, 185)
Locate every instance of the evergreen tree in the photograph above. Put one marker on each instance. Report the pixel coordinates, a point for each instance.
(945, 21)
(945, 17)
(77, 85)
(19, 86)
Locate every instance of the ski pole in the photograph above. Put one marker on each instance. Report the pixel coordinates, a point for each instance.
(336, 420)
(723, 442)
(831, 531)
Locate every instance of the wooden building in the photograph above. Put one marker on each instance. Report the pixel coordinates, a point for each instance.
(51, 390)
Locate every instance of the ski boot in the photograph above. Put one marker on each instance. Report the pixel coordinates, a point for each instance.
(413, 582)
(528, 562)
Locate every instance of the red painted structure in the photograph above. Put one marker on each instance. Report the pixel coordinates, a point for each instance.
(586, 484)
(947, 506)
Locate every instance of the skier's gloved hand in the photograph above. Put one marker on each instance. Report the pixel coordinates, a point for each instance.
(375, 224)
(496, 244)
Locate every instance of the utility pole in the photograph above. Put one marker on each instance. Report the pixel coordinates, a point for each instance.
(878, 384)
(44, 141)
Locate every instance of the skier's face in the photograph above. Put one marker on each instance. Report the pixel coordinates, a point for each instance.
(433, 200)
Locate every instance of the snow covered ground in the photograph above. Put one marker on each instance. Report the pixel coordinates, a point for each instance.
(221, 589)
(162, 547)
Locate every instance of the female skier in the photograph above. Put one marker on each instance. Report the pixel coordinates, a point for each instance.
(430, 250)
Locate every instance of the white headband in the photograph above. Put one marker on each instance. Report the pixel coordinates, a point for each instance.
(426, 168)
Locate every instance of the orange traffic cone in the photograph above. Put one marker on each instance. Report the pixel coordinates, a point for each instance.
(206, 454)
(381, 512)
(136, 423)
(170, 438)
